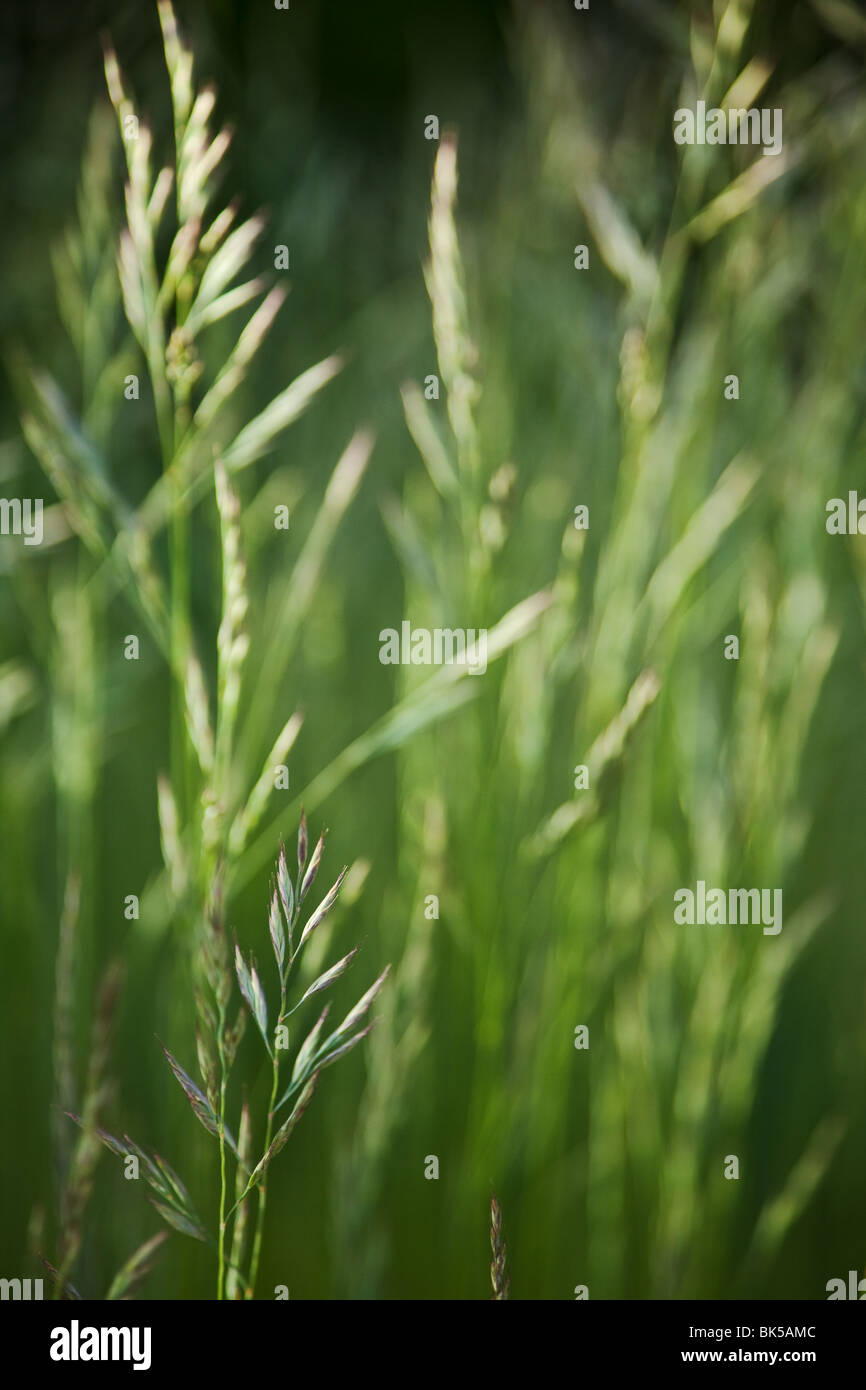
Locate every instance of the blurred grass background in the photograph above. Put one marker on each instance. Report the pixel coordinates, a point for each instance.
(559, 387)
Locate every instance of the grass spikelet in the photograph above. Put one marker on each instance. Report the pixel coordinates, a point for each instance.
(136, 1268)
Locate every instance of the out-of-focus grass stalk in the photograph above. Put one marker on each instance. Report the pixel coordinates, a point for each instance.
(220, 1039)
(97, 1091)
(655, 1077)
(394, 1051)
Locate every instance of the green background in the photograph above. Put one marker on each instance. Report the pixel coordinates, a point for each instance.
(703, 1043)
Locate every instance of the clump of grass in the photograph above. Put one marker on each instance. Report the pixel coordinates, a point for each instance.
(141, 292)
(226, 735)
(703, 523)
(621, 674)
(218, 1040)
(171, 302)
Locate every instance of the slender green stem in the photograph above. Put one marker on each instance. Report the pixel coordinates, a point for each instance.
(263, 1186)
(240, 1201)
(179, 598)
(263, 1193)
(221, 1266)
